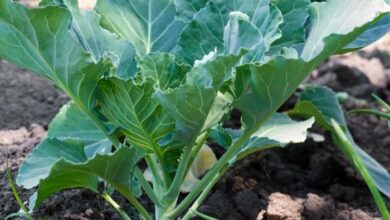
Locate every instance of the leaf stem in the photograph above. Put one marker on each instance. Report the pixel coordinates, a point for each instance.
(146, 186)
(15, 192)
(382, 103)
(138, 206)
(372, 112)
(115, 205)
(349, 150)
(157, 180)
(204, 216)
(201, 140)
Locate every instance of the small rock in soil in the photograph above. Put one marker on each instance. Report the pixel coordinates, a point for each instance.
(248, 203)
(261, 215)
(8, 137)
(283, 207)
(355, 214)
(317, 208)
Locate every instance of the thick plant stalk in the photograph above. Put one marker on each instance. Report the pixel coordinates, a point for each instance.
(210, 175)
(185, 162)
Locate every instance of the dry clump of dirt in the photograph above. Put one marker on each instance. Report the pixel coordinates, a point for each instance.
(16, 144)
(283, 207)
(313, 207)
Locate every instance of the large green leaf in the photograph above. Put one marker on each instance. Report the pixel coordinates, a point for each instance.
(338, 17)
(72, 123)
(100, 43)
(191, 102)
(186, 9)
(322, 103)
(38, 164)
(273, 82)
(206, 32)
(115, 169)
(277, 131)
(149, 25)
(131, 107)
(39, 40)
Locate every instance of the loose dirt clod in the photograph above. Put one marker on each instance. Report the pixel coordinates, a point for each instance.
(317, 208)
(355, 214)
(283, 207)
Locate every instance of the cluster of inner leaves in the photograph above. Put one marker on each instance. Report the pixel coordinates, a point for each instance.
(148, 77)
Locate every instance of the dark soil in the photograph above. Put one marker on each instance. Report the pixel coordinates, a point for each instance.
(304, 181)
(26, 98)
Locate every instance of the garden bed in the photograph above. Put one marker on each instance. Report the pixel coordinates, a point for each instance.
(311, 180)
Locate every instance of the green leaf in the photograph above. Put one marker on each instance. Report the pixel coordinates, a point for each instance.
(206, 32)
(322, 103)
(374, 33)
(241, 33)
(221, 136)
(325, 102)
(165, 71)
(39, 40)
(131, 107)
(238, 86)
(273, 82)
(295, 14)
(100, 43)
(338, 17)
(191, 102)
(72, 123)
(40, 161)
(186, 9)
(115, 169)
(278, 131)
(149, 25)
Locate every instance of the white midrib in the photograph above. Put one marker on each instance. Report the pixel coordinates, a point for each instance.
(149, 42)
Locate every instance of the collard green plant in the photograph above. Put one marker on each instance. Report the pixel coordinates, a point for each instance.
(154, 80)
